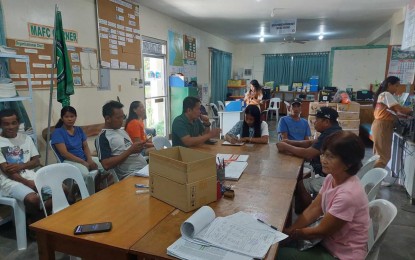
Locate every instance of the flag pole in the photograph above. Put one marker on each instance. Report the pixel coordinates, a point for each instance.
(51, 85)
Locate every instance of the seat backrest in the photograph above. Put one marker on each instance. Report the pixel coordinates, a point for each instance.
(274, 103)
(382, 213)
(55, 152)
(288, 107)
(221, 106)
(214, 109)
(161, 142)
(371, 182)
(367, 166)
(52, 176)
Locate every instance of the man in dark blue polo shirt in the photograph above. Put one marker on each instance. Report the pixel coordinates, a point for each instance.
(191, 128)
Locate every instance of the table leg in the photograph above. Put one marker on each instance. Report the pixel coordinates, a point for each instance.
(46, 251)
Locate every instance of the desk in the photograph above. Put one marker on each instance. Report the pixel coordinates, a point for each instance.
(265, 190)
(132, 216)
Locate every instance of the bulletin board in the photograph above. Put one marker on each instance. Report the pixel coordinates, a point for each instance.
(83, 62)
(119, 34)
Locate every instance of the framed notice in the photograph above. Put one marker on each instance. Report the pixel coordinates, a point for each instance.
(189, 47)
(119, 34)
(40, 61)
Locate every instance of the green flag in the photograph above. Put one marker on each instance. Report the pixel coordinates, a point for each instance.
(63, 65)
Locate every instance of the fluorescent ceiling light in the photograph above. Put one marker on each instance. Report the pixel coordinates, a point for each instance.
(320, 37)
(261, 39)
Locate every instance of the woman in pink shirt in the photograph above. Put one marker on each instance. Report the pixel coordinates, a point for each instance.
(342, 202)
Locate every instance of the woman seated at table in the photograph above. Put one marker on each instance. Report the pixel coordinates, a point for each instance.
(134, 125)
(254, 95)
(250, 130)
(342, 202)
(72, 147)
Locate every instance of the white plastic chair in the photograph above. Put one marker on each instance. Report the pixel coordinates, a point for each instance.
(161, 142)
(53, 176)
(221, 106)
(92, 174)
(19, 215)
(371, 182)
(214, 112)
(287, 107)
(382, 213)
(274, 105)
(367, 166)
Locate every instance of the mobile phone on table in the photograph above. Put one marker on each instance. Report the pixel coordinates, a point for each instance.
(93, 228)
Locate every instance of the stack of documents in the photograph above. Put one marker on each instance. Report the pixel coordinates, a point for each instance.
(235, 164)
(238, 236)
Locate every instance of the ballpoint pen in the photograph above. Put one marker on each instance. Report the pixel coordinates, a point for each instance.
(269, 225)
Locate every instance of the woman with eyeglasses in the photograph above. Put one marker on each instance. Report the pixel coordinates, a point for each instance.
(382, 126)
(249, 130)
(342, 202)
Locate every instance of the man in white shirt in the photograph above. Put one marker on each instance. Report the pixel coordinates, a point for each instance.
(18, 158)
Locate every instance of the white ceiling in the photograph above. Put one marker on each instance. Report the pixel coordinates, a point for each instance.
(241, 20)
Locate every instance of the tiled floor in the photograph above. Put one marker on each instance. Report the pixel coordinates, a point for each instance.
(397, 244)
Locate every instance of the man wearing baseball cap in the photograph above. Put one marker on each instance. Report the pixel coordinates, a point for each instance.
(292, 126)
(326, 124)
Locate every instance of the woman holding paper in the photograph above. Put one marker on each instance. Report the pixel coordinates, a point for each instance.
(134, 126)
(250, 130)
(342, 202)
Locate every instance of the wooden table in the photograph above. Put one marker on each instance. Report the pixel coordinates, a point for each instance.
(132, 216)
(265, 190)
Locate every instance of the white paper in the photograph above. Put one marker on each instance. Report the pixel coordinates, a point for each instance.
(233, 157)
(14, 76)
(123, 65)
(41, 76)
(86, 78)
(85, 60)
(94, 77)
(93, 60)
(38, 65)
(105, 64)
(234, 170)
(144, 172)
(235, 144)
(240, 233)
(44, 57)
(30, 50)
(184, 249)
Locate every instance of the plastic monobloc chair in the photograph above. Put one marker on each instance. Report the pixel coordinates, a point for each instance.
(19, 215)
(53, 176)
(370, 163)
(371, 182)
(382, 213)
(161, 142)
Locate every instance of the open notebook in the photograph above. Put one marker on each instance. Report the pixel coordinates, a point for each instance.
(235, 164)
(239, 235)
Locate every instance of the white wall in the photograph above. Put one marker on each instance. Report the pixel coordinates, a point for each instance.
(251, 55)
(80, 15)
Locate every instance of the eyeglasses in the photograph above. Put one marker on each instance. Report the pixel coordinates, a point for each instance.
(327, 156)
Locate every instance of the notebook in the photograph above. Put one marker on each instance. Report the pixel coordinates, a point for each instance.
(234, 170)
(235, 144)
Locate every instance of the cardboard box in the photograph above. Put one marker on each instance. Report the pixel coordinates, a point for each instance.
(182, 165)
(351, 107)
(349, 124)
(186, 197)
(348, 115)
(314, 106)
(183, 177)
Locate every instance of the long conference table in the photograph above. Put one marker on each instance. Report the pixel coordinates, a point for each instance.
(143, 227)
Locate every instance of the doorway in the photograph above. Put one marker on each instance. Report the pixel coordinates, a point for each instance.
(155, 90)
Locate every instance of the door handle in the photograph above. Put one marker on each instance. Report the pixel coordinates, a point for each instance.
(158, 100)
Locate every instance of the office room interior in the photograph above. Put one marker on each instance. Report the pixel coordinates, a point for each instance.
(357, 46)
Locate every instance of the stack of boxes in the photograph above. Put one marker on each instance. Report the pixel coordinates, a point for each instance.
(183, 177)
(348, 116)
